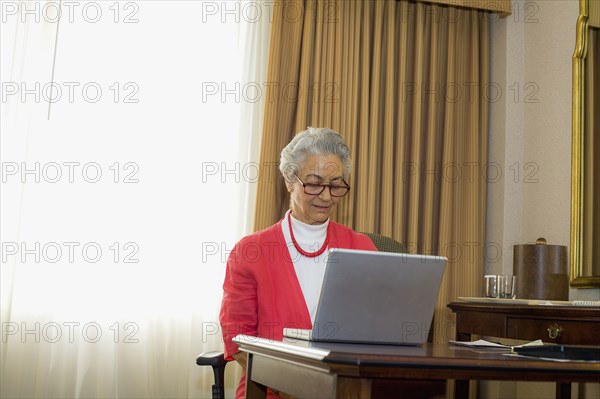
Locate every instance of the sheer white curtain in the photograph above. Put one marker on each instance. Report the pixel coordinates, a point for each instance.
(129, 142)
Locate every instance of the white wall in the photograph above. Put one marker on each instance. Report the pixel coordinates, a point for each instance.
(530, 129)
(530, 138)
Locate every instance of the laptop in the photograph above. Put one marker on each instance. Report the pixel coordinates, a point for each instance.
(375, 297)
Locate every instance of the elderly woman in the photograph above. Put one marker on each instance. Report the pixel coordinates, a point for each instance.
(273, 278)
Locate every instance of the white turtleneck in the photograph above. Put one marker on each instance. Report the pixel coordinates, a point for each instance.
(310, 271)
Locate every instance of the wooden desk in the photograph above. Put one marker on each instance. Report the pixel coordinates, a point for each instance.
(325, 370)
(568, 325)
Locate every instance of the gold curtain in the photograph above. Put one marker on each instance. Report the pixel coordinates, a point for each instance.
(500, 6)
(406, 84)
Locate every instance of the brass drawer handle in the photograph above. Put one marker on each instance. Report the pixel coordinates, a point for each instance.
(555, 331)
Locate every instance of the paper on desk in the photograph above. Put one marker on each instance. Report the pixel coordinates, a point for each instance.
(482, 343)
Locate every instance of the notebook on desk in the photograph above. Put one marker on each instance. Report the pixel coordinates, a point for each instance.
(375, 297)
(561, 352)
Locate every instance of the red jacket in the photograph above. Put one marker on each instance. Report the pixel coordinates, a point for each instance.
(261, 293)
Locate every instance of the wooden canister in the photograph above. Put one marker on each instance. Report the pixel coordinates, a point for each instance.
(542, 271)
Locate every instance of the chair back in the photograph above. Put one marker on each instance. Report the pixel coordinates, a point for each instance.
(386, 244)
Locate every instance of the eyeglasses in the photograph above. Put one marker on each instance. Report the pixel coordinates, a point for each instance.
(334, 189)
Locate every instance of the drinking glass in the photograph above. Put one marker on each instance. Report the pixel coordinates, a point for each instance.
(491, 286)
(507, 287)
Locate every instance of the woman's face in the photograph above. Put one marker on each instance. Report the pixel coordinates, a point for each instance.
(317, 169)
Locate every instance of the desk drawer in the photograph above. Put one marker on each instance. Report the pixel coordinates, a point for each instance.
(558, 331)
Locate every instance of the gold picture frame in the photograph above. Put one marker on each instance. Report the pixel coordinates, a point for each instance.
(582, 275)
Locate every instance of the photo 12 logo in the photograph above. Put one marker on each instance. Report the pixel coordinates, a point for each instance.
(70, 11)
(69, 252)
(70, 331)
(69, 172)
(253, 92)
(70, 92)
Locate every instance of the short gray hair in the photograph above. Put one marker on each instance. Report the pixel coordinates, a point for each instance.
(313, 141)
